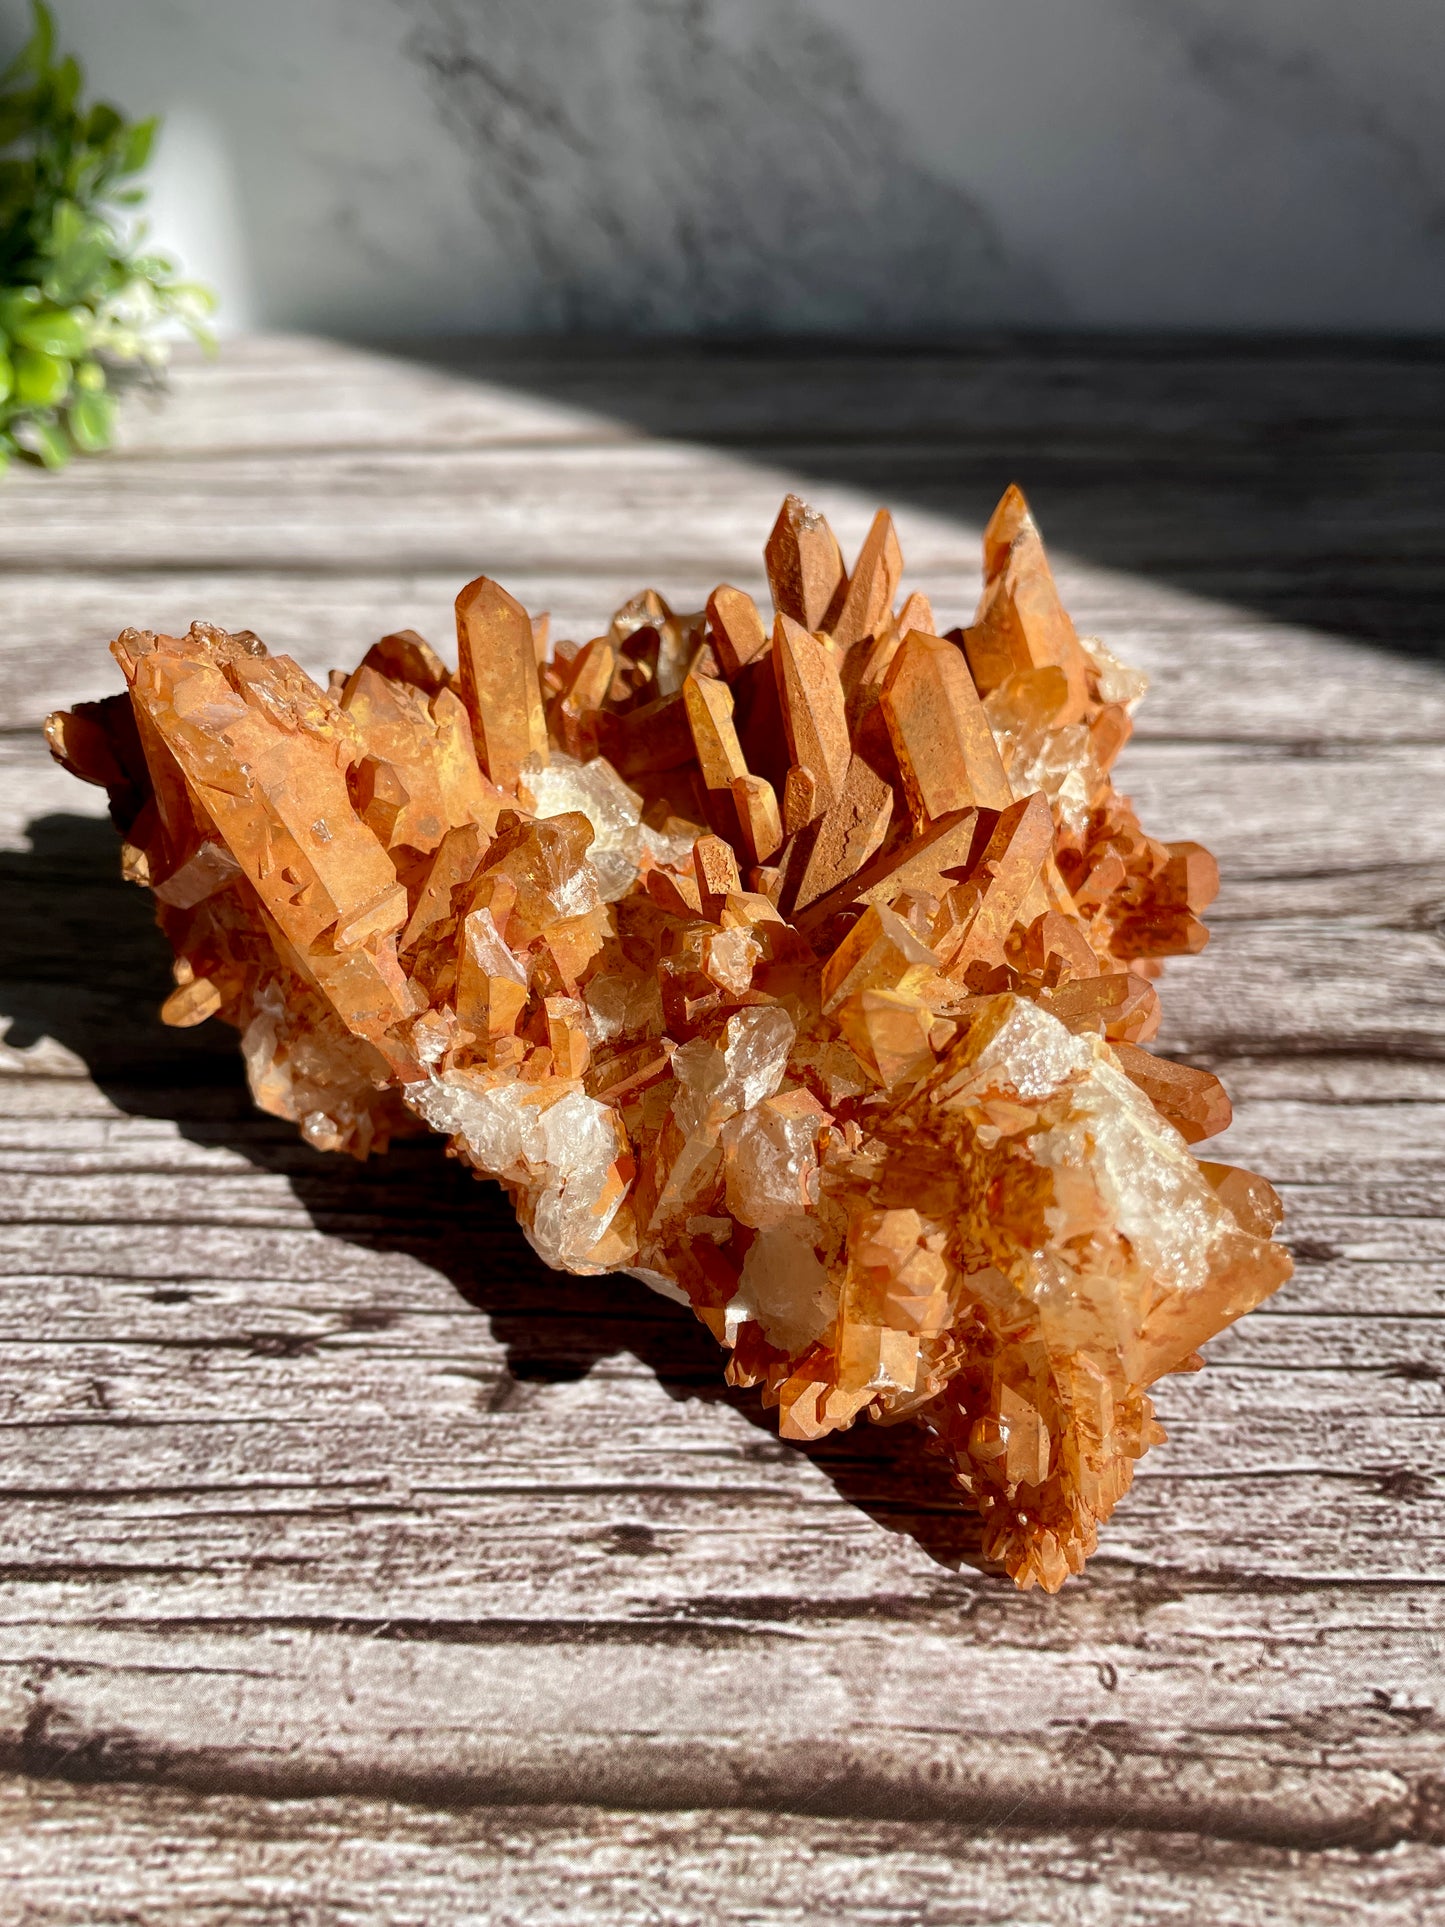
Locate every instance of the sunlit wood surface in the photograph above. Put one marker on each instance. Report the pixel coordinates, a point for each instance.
(355, 1568)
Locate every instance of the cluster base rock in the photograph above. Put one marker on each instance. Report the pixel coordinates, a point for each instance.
(800, 966)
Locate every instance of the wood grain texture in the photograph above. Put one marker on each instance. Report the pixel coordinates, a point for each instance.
(170, 1858)
(354, 1568)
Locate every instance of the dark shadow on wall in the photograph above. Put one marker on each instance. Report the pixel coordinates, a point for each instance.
(82, 963)
(724, 176)
(654, 168)
(1301, 480)
(694, 170)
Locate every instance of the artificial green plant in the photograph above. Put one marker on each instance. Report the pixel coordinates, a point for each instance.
(80, 297)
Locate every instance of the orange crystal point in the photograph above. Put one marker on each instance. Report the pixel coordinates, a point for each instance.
(979, 913)
(736, 629)
(498, 677)
(946, 751)
(868, 598)
(1194, 1101)
(759, 818)
(408, 658)
(801, 970)
(805, 566)
(1021, 624)
(849, 833)
(814, 711)
(926, 862)
(709, 706)
(1010, 518)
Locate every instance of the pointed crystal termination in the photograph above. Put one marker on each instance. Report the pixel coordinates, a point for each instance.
(849, 833)
(498, 675)
(802, 969)
(814, 710)
(736, 628)
(868, 600)
(1021, 623)
(946, 751)
(805, 567)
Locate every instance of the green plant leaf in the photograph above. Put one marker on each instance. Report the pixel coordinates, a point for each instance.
(65, 85)
(101, 123)
(41, 380)
(92, 421)
(53, 331)
(136, 150)
(43, 436)
(17, 115)
(15, 304)
(81, 177)
(153, 267)
(67, 226)
(35, 56)
(75, 274)
(193, 294)
(85, 292)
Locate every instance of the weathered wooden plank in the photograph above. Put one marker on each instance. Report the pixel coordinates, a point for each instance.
(257, 1319)
(303, 1497)
(671, 508)
(98, 1281)
(307, 393)
(377, 1494)
(1274, 1477)
(169, 1857)
(682, 1718)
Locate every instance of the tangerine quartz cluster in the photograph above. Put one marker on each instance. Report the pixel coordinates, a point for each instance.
(800, 968)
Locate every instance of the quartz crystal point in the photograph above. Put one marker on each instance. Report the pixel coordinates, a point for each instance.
(801, 968)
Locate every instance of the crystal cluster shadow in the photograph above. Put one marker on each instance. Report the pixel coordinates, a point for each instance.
(83, 965)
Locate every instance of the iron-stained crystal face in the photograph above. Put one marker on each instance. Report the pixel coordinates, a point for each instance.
(801, 966)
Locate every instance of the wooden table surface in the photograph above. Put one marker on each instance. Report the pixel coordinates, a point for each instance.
(355, 1568)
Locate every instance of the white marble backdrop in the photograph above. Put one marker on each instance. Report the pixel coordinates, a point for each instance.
(756, 165)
